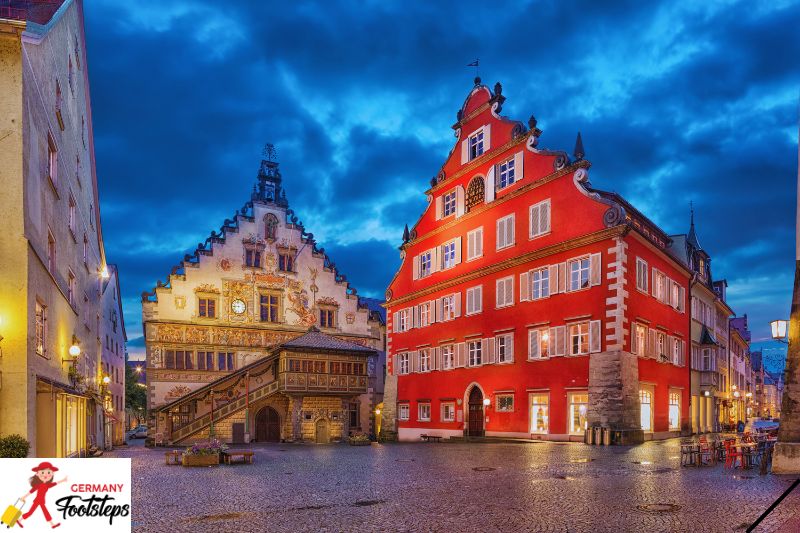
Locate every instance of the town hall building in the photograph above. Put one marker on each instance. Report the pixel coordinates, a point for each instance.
(257, 336)
(531, 304)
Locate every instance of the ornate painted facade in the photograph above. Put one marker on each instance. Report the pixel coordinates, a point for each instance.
(251, 287)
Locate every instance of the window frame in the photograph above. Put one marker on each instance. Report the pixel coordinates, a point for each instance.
(424, 355)
(502, 221)
(208, 299)
(449, 255)
(573, 399)
(452, 408)
(582, 285)
(422, 407)
(477, 305)
(580, 336)
(278, 306)
(534, 428)
(475, 352)
(642, 277)
(543, 283)
(448, 355)
(504, 341)
(504, 396)
(508, 283)
(403, 411)
(504, 173)
(475, 147)
(449, 203)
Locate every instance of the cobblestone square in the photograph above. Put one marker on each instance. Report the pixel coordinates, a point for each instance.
(455, 487)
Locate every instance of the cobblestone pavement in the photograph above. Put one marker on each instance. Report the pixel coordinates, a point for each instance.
(455, 487)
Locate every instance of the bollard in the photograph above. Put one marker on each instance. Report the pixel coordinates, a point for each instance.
(587, 436)
(606, 436)
(598, 436)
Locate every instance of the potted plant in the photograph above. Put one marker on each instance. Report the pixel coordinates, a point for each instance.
(359, 439)
(203, 453)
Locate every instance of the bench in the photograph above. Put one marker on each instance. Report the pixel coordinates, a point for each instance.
(245, 455)
(431, 438)
(173, 457)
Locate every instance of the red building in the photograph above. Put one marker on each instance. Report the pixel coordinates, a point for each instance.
(530, 304)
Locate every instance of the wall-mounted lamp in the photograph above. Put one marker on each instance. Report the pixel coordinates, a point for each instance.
(104, 272)
(487, 402)
(706, 393)
(106, 380)
(736, 394)
(779, 328)
(377, 411)
(74, 350)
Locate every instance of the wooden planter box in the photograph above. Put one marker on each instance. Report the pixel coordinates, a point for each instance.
(359, 442)
(200, 460)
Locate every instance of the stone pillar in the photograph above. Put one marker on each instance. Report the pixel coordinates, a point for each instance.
(389, 411)
(786, 459)
(614, 394)
(295, 413)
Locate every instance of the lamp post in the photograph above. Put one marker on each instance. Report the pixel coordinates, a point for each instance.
(786, 459)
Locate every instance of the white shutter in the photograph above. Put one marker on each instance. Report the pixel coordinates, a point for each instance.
(651, 343)
(524, 287)
(412, 362)
(634, 348)
(434, 358)
(562, 277)
(558, 341)
(533, 222)
(510, 230)
(683, 353)
(458, 250)
(499, 234)
(470, 301)
(487, 138)
(395, 365)
(518, 162)
(465, 151)
(594, 336)
(510, 290)
(436, 259)
(479, 299)
(533, 344)
(479, 242)
(458, 304)
(459, 355)
(681, 299)
(490, 184)
(544, 216)
(439, 207)
(439, 309)
(487, 355)
(396, 322)
(499, 293)
(553, 279)
(595, 270)
(415, 268)
(470, 245)
(653, 277)
(431, 311)
(510, 348)
(460, 201)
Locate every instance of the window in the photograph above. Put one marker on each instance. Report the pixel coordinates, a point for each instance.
(579, 274)
(579, 338)
(71, 288)
(425, 264)
(448, 412)
(327, 317)
(51, 253)
(504, 348)
(674, 410)
(183, 360)
(474, 351)
(449, 204)
(424, 412)
(205, 360)
(286, 262)
(85, 249)
(646, 409)
(640, 340)
(404, 363)
(41, 328)
(677, 352)
(270, 307)
(207, 307)
(541, 283)
(71, 216)
(225, 361)
(354, 418)
(476, 144)
(505, 232)
(578, 406)
(449, 255)
(474, 300)
(641, 275)
(505, 403)
(448, 361)
(252, 258)
(661, 345)
(539, 219)
(538, 343)
(404, 320)
(539, 413)
(424, 314)
(402, 410)
(475, 244)
(425, 360)
(270, 227)
(504, 294)
(506, 174)
(52, 159)
(707, 359)
(449, 307)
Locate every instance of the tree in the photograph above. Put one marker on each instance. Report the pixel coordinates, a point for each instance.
(135, 398)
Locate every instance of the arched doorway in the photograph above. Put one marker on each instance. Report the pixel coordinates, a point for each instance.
(268, 425)
(475, 422)
(322, 431)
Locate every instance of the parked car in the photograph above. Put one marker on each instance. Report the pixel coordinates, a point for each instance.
(139, 432)
(761, 425)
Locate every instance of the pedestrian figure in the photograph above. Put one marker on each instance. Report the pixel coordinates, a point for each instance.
(740, 427)
(41, 482)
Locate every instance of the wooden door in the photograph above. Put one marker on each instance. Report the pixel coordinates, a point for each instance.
(322, 431)
(475, 419)
(238, 433)
(268, 425)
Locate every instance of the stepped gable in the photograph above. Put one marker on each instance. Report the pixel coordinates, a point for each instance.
(317, 340)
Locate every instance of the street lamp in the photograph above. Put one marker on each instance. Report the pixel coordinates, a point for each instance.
(779, 328)
(138, 369)
(487, 402)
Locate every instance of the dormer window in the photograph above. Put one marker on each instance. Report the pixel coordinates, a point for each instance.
(476, 144)
(449, 204)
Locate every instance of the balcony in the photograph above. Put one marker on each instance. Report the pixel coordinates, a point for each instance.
(322, 383)
(709, 378)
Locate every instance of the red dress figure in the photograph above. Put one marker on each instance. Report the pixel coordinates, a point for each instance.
(41, 482)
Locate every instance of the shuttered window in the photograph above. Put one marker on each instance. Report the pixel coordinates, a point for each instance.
(540, 219)
(474, 300)
(641, 274)
(475, 244)
(538, 343)
(504, 295)
(449, 204)
(504, 348)
(541, 283)
(447, 354)
(506, 174)
(505, 232)
(475, 352)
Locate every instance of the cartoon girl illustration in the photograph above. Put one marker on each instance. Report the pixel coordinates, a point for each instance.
(41, 482)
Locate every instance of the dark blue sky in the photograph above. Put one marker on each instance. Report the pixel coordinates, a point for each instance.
(683, 101)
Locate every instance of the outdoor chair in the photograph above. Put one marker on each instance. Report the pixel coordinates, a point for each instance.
(688, 452)
(707, 455)
(731, 454)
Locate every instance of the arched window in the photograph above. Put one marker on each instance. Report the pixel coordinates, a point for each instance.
(270, 226)
(475, 192)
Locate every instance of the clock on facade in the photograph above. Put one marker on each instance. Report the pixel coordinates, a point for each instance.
(238, 306)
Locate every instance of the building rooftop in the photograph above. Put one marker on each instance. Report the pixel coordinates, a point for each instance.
(317, 340)
(38, 11)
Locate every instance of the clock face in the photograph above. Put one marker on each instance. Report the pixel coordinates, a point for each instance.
(238, 306)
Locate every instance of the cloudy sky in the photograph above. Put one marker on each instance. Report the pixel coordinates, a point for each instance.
(687, 101)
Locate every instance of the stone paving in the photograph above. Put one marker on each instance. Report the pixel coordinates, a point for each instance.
(455, 487)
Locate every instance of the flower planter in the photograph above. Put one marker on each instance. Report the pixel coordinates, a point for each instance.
(359, 442)
(200, 460)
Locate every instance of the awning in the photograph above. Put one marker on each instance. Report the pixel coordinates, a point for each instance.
(62, 386)
(706, 338)
(112, 417)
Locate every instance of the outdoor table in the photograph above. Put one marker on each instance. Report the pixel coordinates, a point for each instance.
(690, 453)
(746, 457)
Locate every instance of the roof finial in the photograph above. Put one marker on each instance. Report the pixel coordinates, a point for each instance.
(406, 235)
(578, 152)
(692, 237)
(269, 151)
